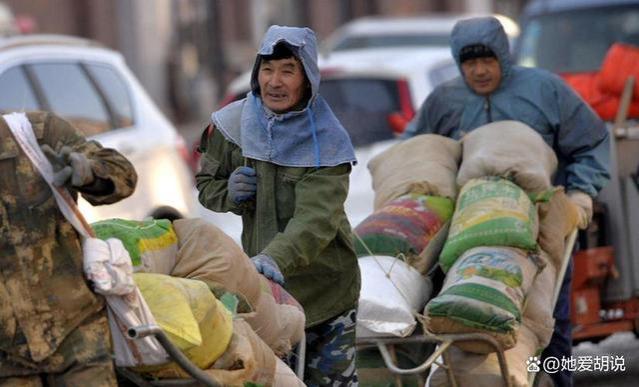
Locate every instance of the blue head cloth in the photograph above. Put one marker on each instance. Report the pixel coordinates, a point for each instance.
(311, 137)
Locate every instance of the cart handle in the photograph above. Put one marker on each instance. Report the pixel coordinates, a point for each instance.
(570, 244)
(175, 354)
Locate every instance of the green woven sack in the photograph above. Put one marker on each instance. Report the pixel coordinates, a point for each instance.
(490, 211)
(485, 290)
(152, 243)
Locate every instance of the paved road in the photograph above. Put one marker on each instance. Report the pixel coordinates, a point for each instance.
(621, 344)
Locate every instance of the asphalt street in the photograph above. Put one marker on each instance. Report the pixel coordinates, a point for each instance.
(623, 344)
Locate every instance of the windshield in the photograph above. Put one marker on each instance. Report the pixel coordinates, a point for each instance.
(395, 40)
(577, 41)
(362, 105)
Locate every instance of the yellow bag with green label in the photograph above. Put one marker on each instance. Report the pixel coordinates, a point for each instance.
(151, 243)
(193, 319)
(490, 211)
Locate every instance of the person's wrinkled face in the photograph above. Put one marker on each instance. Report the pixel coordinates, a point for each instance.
(281, 84)
(482, 74)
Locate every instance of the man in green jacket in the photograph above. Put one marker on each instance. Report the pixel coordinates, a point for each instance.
(281, 160)
(53, 329)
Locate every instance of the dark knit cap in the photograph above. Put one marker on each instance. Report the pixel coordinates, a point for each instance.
(473, 51)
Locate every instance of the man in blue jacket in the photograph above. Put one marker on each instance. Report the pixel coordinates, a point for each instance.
(491, 89)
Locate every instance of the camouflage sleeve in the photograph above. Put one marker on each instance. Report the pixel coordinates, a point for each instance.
(115, 176)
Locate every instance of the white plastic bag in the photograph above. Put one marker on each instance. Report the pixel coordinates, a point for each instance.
(108, 265)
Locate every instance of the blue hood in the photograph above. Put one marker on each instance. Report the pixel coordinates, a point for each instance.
(533, 96)
(304, 45)
(311, 137)
(482, 30)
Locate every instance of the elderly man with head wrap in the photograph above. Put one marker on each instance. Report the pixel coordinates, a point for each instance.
(280, 159)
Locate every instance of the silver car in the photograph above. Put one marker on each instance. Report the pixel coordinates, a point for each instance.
(91, 87)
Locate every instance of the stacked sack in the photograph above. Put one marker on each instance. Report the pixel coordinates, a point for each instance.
(180, 269)
(207, 254)
(490, 255)
(413, 205)
(483, 369)
(502, 253)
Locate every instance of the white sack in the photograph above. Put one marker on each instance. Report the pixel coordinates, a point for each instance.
(387, 304)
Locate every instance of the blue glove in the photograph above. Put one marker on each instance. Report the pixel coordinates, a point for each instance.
(242, 185)
(266, 266)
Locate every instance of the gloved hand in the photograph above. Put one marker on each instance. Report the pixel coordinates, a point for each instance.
(68, 164)
(266, 266)
(583, 203)
(242, 184)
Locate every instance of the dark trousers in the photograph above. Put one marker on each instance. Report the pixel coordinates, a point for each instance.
(561, 341)
(330, 352)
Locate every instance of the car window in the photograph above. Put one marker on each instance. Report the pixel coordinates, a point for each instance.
(585, 37)
(115, 91)
(68, 92)
(394, 40)
(363, 106)
(17, 94)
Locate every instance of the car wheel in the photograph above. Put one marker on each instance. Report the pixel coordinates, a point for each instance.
(166, 212)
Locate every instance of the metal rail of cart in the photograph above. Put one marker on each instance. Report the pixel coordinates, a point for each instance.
(198, 376)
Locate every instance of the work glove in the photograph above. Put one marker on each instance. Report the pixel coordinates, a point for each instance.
(266, 266)
(242, 184)
(69, 165)
(583, 203)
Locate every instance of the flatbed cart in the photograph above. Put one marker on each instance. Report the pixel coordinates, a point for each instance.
(199, 377)
(386, 345)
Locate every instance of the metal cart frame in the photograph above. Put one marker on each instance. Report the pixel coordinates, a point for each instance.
(444, 341)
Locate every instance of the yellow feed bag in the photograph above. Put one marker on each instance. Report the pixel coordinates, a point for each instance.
(193, 319)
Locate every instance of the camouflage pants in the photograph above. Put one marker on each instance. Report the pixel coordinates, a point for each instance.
(83, 359)
(330, 352)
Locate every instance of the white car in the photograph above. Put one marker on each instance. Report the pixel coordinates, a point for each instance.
(374, 93)
(91, 87)
(418, 31)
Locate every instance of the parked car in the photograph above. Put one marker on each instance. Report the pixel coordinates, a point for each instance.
(91, 86)
(572, 36)
(374, 93)
(431, 30)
